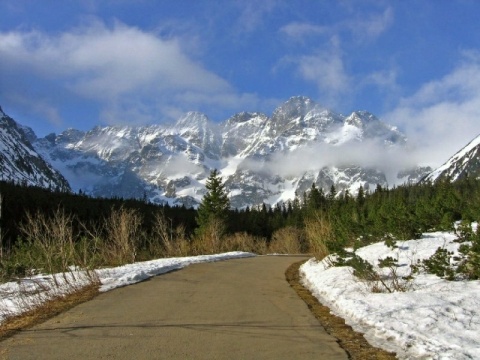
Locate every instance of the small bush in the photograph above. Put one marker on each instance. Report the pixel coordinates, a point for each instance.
(319, 235)
(166, 240)
(465, 265)
(287, 240)
(438, 264)
(242, 241)
(375, 279)
(209, 240)
(123, 236)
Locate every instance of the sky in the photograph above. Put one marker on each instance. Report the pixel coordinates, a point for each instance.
(78, 64)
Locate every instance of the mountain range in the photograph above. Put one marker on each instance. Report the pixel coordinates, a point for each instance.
(262, 159)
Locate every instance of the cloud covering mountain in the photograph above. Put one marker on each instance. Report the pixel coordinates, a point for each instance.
(261, 158)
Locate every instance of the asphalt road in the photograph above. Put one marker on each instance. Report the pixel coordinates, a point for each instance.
(235, 309)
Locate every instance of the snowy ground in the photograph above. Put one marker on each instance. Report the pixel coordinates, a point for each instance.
(433, 319)
(21, 295)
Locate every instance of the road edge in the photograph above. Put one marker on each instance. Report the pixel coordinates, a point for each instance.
(351, 341)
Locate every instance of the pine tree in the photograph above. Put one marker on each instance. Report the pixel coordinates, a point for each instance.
(315, 198)
(215, 203)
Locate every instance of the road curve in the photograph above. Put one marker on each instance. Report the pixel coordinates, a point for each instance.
(235, 309)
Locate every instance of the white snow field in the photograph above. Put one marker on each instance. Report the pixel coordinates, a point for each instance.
(433, 319)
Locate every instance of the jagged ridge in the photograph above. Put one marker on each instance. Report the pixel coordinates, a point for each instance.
(262, 158)
(20, 163)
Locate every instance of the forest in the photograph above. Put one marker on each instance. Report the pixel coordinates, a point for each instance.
(104, 232)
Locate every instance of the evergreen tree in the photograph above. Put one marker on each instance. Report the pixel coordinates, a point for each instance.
(215, 203)
(315, 198)
(332, 194)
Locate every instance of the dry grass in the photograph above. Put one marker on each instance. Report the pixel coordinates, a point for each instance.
(242, 241)
(166, 240)
(319, 233)
(287, 240)
(123, 229)
(209, 240)
(352, 342)
(46, 311)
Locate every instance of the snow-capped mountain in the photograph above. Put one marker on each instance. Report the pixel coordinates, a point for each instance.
(20, 163)
(261, 158)
(465, 162)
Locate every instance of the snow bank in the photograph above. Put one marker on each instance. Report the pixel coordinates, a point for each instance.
(112, 278)
(434, 319)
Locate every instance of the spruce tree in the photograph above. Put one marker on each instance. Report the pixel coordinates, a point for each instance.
(215, 203)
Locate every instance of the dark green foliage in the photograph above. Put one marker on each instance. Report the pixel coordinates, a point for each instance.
(18, 201)
(439, 264)
(465, 265)
(385, 214)
(469, 259)
(215, 203)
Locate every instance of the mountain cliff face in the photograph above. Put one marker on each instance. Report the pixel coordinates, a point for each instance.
(261, 158)
(464, 163)
(20, 163)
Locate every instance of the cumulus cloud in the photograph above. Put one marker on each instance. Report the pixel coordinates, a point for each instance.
(128, 71)
(443, 115)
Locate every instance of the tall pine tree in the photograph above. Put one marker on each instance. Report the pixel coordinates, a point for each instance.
(215, 203)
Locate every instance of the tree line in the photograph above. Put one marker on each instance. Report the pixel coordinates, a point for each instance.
(401, 212)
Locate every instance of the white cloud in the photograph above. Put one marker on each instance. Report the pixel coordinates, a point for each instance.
(367, 154)
(326, 69)
(128, 71)
(371, 27)
(252, 13)
(326, 66)
(443, 115)
(298, 30)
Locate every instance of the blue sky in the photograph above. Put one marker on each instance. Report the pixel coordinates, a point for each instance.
(414, 64)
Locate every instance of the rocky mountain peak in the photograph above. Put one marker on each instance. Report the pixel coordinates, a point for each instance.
(295, 107)
(244, 117)
(465, 162)
(192, 120)
(69, 136)
(361, 119)
(19, 162)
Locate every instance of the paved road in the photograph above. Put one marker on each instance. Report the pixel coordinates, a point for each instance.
(235, 309)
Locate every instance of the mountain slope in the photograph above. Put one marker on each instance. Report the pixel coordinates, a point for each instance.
(261, 158)
(465, 162)
(20, 163)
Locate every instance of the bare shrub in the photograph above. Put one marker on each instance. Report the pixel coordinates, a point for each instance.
(242, 241)
(287, 240)
(50, 240)
(48, 246)
(123, 236)
(377, 280)
(209, 240)
(319, 234)
(169, 241)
